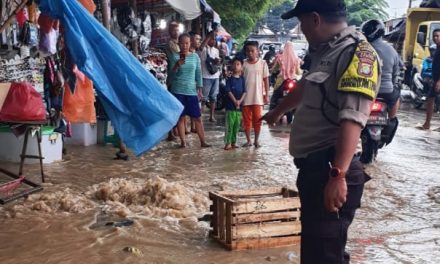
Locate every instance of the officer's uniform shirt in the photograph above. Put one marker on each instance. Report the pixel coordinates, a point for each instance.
(349, 74)
(391, 65)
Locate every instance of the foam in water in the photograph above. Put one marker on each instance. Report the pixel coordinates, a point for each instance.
(155, 198)
(170, 203)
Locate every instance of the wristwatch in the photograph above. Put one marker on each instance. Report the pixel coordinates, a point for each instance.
(336, 172)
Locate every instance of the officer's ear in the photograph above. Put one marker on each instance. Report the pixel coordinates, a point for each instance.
(316, 19)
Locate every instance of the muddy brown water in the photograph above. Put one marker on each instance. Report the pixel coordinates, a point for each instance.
(165, 191)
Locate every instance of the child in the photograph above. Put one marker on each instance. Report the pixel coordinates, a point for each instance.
(256, 75)
(236, 91)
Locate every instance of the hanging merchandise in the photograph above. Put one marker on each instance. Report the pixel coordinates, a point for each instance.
(32, 12)
(80, 107)
(141, 111)
(130, 25)
(89, 5)
(21, 17)
(155, 61)
(29, 36)
(53, 86)
(48, 43)
(47, 24)
(25, 51)
(145, 38)
(21, 69)
(23, 103)
(116, 29)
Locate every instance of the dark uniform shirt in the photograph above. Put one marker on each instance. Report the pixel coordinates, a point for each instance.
(343, 79)
(436, 65)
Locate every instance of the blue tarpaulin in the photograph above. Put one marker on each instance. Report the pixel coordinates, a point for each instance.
(140, 109)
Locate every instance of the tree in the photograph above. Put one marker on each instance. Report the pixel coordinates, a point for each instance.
(273, 18)
(239, 17)
(360, 11)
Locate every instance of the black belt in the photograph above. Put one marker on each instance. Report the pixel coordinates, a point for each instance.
(325, 155)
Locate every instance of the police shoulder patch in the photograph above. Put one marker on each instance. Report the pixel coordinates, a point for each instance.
(363, 72)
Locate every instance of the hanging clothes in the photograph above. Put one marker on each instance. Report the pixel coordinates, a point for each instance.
(141, 111)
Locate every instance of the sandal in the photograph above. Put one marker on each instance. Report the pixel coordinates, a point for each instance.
(246, 145)
(228, 147)
(205, 145)
(422, 127)
(257, 145)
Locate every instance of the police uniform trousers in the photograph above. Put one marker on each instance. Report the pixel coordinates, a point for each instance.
(324, 234)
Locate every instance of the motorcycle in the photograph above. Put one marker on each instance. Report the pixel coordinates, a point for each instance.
(421, 89)
(278, 95)
(378, 132)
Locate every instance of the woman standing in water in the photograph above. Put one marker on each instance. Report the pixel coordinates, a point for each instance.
(186, 76)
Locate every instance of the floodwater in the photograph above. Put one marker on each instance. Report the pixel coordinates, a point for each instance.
(83, 215)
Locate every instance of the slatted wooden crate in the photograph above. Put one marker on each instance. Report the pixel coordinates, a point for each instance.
(256, 218)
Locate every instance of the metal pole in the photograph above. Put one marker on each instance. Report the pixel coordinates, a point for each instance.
(134, 44)
(410, 3)
(105, 13)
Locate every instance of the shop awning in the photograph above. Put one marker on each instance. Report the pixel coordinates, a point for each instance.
(189, 9)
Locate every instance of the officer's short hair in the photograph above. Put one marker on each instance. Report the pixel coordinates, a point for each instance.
(333, 18)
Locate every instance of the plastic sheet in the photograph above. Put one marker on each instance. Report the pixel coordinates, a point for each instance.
(80, 107)
(141, 111)
(23, 103)
(89, 5)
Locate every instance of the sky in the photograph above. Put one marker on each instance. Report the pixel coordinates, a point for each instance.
(398, 7)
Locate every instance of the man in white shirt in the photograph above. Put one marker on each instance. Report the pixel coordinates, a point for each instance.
(210, 78)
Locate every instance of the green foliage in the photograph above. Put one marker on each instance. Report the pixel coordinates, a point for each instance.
(239, 17)
(273, 18)
(360, 11)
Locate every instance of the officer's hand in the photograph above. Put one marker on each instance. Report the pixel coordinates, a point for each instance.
(272, 117)
(335, 194)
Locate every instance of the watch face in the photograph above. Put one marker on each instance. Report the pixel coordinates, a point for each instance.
(335, 172)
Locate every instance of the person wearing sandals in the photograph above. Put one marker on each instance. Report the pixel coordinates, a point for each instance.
(187, 75)
(256, 75)
(236, 91)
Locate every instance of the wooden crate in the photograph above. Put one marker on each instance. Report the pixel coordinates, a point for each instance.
(254, 219)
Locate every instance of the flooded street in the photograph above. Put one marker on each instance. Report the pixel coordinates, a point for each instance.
(81, 216)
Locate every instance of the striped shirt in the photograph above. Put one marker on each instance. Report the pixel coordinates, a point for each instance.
(188, 76)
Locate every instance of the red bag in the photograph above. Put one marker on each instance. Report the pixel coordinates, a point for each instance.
(23, 103)
(46, 23)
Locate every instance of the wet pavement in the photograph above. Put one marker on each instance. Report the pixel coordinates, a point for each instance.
(83, 214)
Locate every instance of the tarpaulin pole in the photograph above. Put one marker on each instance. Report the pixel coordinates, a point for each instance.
(134, 43)
(105, 4)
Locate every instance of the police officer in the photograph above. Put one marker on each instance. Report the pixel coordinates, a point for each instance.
(392, 65)
(332, 106)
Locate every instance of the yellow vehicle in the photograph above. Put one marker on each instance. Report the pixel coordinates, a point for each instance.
(420, 23)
